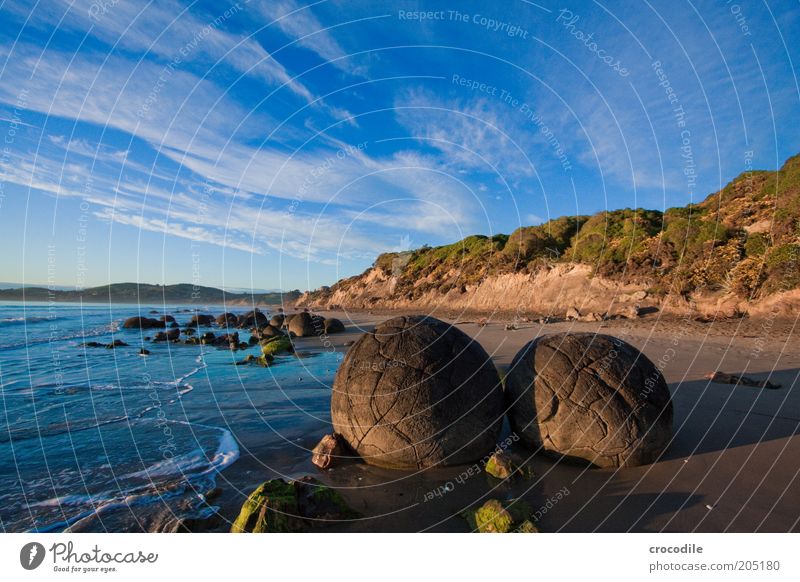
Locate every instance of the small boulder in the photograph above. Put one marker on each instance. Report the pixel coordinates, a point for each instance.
(333, 325)
(167, 319)
(144, 352)
(115, 344)
(269, 331)
(500, 465)
(573, 314)
(255, 318)
(227, 320)
(142, 323)
(200, 320)
(277, 320)
(331, 447)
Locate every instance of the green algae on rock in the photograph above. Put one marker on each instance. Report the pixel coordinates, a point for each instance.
(276, 345)
(501, 466)
(280, 507)
(497, 517)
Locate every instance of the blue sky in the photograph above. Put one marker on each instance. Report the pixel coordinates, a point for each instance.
(284, 144)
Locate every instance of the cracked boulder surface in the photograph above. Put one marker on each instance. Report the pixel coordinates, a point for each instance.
(589, 396)
(416, 393)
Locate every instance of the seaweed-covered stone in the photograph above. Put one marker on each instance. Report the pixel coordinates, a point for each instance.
(591, 397)
(500, 465)
(333, 325)
(278, 506)
(497, 517)
(302, 325)
(276, 345)
(271, 508)
(415, 393)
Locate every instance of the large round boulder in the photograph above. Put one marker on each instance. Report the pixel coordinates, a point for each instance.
(591, 397)
(302, 325)
(333, 325)
(255, 318)
(277, 320)
(416, 393)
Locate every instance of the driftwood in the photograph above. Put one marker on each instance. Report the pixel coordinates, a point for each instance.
(723, 378)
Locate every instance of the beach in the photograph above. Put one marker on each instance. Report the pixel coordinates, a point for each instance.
(187, 459)
(732, 465)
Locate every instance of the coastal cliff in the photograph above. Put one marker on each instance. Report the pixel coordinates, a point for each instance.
(736, 252)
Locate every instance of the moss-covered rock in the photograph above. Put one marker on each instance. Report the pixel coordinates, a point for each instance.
(279, 507)
(500, 465)
(271, 508)
(497, 517)
(276, 345)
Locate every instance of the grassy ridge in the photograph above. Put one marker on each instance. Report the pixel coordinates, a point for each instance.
(744, 239)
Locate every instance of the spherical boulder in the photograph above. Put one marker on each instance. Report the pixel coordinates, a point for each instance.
(333, 325)
(277, 320)
(254, 318)
(415, 393)
(270, 331)
(227, 320)
(302, 325)
(590, 397)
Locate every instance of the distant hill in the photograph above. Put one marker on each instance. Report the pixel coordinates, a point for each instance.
(183, 293)
(739, 246)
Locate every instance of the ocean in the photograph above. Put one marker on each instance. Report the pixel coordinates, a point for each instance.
(107, 436)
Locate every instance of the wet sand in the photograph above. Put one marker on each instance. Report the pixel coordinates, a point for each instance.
(733, 465)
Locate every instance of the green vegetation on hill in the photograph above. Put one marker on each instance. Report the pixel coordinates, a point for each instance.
(744, 239)
(183, 293)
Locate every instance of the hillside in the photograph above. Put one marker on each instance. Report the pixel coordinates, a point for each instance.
(735, 250)
(183, 293)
